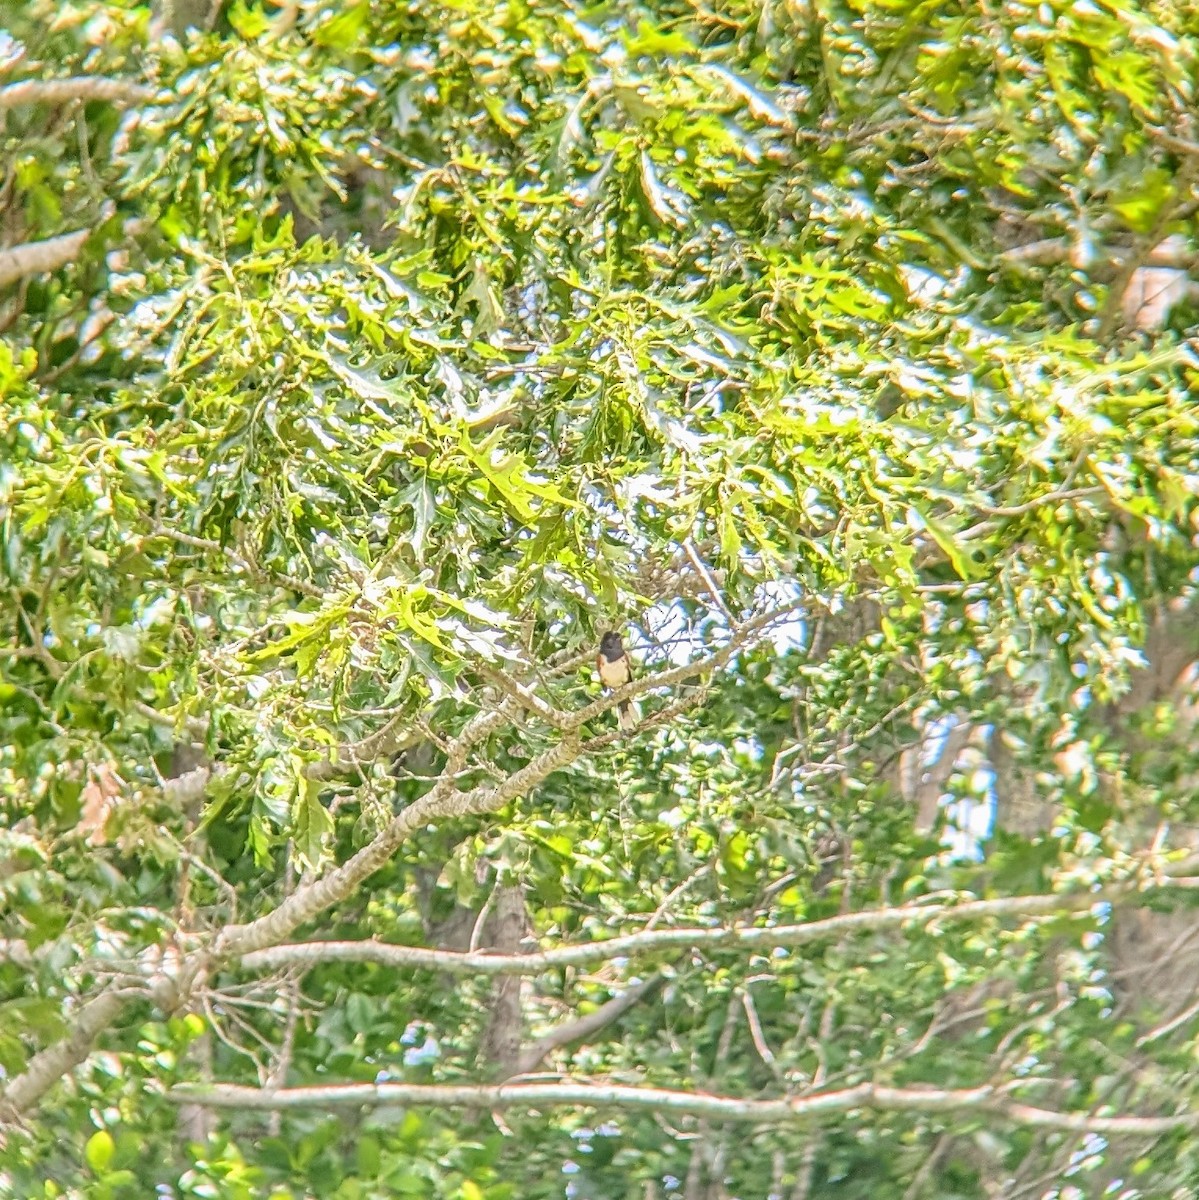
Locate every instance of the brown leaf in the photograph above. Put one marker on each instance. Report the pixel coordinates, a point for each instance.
(99, 799)
(1153, 291)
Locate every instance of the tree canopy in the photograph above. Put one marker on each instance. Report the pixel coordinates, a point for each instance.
(363, 363)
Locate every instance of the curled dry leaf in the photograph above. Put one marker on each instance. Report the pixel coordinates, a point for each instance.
(1150, 295)
(100, 795)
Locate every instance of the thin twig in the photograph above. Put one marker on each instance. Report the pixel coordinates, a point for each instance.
(584, 1027)
(756, 1034)
(710, 583)
(282, 1065)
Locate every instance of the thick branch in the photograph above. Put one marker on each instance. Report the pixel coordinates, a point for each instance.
(1049, 251)
(444, 801)
(48, 1066)
(658, 940)
(786, 1110)
(923, 785)
(37, 258)
(80, 87)
(441, 802)
(15, 950)
(504, 1031)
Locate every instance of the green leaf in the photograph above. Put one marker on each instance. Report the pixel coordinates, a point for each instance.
(360, 1012)
(665, 203)
(1141, 202)
(99, 1151)
(730, 539)
(419, 497)
(760, 105)
(312, 826)
(510, 476)
(306, 628)
(959, 558)
(482, 293)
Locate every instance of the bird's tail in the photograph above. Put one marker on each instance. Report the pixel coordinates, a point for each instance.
(627, 715)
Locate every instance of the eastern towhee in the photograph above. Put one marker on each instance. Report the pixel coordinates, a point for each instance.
(615, 671)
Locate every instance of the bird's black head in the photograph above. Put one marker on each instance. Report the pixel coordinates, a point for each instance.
(610, 645)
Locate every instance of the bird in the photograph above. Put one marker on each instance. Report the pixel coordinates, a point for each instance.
(615, 671)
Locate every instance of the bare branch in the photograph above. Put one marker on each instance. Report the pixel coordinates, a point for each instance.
(659, 940)
(79, 87)
(1016, 510)
(1172, 141)
(1049, 251)
(923, 784)
(37, 258)
(16, 951)
(444, 800)
(441, 801)
(1045, 1118)
(584, 1027)
(710, 583)
(526, 698)
(48, 1066)
(503, 1032)
(1188, 1014)
(1041, 253)
(195, 727)
(757, 1036)
(927, 1167)
(282, 1064)
(785, 1110)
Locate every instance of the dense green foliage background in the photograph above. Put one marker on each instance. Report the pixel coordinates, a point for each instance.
(363, 362)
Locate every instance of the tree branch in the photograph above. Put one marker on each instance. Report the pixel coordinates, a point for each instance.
(444, 800)
(1048, 251)
(48, 1066)
(195, 727)
(1017, 510)
(1142, 249)
(523, 695)
(37, 258)
(745, 633)
(785, 1110)
(584, 1027)
(239, 560)
(16, 951)
(711, 584)
(79, 87)
(658, 940)
(923, 784)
